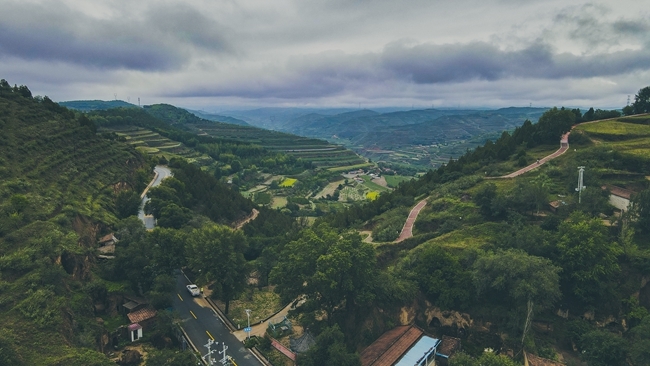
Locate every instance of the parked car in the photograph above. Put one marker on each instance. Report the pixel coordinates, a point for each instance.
(194, 290)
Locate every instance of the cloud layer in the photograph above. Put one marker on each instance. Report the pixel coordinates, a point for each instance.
(303, 52)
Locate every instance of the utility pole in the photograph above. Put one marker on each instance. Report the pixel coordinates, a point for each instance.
(210, 351)
(581, 187)
(224, 360)
(248, 329)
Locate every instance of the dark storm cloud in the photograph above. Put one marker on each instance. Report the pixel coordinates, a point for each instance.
(161, 40)
(589, 24)
(428, 63)
(330, 73)
(631, 27)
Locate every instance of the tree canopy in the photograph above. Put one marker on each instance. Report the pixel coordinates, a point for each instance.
(331, 269)
(642, 101)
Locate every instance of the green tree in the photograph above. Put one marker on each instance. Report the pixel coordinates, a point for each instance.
(484, 196)
(19, 203)
(640, 343)
(462, 359)
(173, 216)
(628, 110)
(216, 253)
(486, 359)
(235, 166)
(492, 359)
(337, 271)
(168, 248)
(602, 348)
(587, 256)
(127, 203)
(553, 123)
(642, 101)
(589, 115)
(527, 281)
(640, 211)
(442, 278)
(594, 201)
(330, 349)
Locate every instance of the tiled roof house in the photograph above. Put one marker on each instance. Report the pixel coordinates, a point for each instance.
(401, 346)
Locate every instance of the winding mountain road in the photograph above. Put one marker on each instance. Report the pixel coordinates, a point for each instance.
(407, 229)
(564, 146)
(161, 172)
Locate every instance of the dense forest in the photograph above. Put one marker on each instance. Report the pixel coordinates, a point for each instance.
(566, 281)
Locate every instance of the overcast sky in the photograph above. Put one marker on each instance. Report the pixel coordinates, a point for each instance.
(219, 54)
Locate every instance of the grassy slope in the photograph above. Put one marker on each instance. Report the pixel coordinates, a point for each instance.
(628, 139)
(67, 176)
(630, 143)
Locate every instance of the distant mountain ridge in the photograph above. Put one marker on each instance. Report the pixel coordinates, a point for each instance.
(218, 118)
(364, 128)
(95, 105)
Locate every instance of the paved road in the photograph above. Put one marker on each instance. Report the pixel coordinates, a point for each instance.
(201, 323)
(564, 146)
(407, 230)
(161, 173)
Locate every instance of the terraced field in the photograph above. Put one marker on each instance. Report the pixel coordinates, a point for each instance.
(627, 135)
(321, 153)
(152, 143)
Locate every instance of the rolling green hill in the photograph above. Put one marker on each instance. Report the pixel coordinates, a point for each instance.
(477, 240)
(320, 152)
(57, 186)
(491, 261)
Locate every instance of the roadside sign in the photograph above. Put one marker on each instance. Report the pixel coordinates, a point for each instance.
(247, 329)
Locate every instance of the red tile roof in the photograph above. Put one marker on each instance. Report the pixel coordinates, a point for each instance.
(392, 345)
(142, 314)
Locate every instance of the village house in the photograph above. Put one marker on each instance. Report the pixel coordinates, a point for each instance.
(407, 345)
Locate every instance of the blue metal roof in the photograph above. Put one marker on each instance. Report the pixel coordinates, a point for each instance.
(417, 355)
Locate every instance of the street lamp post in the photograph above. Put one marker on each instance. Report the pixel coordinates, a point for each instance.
(581, 171)
(248, 316)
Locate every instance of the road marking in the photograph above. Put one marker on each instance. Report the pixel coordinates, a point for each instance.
(232, 360)
(191, 312)
(210, 335)
(179, 296)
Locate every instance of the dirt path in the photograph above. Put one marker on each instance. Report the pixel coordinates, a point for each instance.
(250, 217)
(381, 181)
(407, 230)
(564, 146)
(367, 239)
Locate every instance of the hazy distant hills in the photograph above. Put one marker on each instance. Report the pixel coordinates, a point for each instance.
(218, 118)
(368, 128)
(420, 137)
